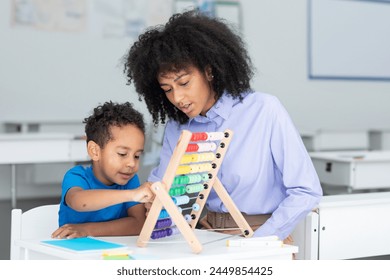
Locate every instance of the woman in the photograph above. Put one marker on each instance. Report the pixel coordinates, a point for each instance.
(195, 71)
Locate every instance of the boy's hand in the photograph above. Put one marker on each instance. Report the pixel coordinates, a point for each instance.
(143, 193)
(69, 231)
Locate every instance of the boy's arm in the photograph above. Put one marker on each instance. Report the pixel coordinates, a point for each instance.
(130, 225)
(91, 200)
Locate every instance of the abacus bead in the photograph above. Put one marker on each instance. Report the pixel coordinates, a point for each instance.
(194, 157)
(206, 147)
(215, 136)
(205, 177)
(183, 169)
(181, 180)
(192, 148)
(186, 159)
(194, 188)
(163, 223)
(199, 136)
(180, 200)
(163, 214)
(194, 178)
(187, 217)
(195, 207)
(175, 230)
(158, 234)
(168, 231)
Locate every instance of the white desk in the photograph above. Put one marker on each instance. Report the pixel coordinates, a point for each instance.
(27, 148)
(346, 227)
(335, 140)
(359, 170)
(174, 247)
(43, 126)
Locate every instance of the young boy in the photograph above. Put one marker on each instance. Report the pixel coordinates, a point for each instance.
(102, 199)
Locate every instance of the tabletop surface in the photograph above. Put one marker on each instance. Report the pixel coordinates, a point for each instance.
(174, 247)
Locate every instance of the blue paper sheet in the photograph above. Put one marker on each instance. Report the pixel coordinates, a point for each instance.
(83, 244)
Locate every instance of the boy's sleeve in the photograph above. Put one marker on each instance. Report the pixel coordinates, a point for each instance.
(73, 178)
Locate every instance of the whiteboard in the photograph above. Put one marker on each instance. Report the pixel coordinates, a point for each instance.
(349, 39)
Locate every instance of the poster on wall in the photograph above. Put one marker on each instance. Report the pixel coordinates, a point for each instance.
(230, 10)
(127, 18)
(99, 18)
(50, 15)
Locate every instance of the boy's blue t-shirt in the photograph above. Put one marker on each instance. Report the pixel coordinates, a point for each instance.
(83, 177)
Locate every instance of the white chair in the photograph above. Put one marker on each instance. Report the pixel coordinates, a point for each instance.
(36, 223)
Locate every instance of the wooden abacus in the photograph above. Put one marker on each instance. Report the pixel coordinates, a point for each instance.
(191, 148)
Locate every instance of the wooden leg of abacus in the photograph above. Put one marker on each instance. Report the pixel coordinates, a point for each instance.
(232, 208)
(150, 223)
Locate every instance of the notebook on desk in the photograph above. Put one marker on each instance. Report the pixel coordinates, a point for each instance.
(83, 244)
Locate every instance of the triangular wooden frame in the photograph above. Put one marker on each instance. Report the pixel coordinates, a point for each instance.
(164, 200)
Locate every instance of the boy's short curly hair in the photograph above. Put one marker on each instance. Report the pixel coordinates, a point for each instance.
(187, 39)
(98, 125)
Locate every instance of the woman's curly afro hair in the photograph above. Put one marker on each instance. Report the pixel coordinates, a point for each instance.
(187, 39)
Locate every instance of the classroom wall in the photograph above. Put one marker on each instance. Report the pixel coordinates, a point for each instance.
(61, 75)
(55, 70)
(276, 33)
(49, 72)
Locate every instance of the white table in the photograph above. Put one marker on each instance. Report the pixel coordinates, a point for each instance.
(346, 227)
(174, 247)
(358, 170)
(28, 148)
(335, 140)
